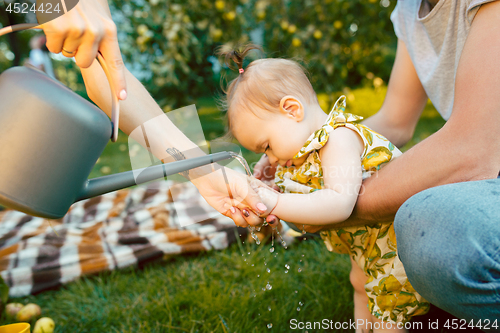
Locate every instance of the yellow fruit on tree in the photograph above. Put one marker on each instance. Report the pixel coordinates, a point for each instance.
(318, 34)
(296, 42)
(292, 28)
(142, 29)
(284, 25)
(219, 4)
(230, 16)
(217, 34)
(337, 24)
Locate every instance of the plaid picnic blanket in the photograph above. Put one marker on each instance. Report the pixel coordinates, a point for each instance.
(116, 230)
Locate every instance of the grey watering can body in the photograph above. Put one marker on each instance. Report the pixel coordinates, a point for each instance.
(50, 139)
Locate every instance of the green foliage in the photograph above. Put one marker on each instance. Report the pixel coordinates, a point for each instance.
(342, 43)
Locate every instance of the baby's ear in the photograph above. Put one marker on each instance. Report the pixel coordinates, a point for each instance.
(292, 107)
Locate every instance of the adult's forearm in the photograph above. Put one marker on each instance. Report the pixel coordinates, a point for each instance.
(140, 116)
(443, 158)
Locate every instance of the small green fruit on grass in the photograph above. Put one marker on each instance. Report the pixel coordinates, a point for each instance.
(29, 312)
(44, 325)
(12, 309)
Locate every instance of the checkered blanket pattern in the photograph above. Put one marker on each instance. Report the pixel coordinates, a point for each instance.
(116, 230)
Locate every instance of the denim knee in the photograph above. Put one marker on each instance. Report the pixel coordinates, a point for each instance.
(448, 239)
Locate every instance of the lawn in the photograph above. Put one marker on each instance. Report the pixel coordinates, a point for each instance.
(224, 291)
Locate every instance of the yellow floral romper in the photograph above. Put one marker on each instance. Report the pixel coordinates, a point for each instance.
(391, 296)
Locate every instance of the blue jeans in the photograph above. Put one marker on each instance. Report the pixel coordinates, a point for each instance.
(449, 242)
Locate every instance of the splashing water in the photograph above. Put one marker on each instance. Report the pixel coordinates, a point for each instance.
(242, 161)
(299, 270)
(254, 235)
(287, 266)
(268, 286)
(269, 308)
(269, 325)
(298, 309)
(281, 238)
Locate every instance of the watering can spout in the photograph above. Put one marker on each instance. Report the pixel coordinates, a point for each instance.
(106, 184)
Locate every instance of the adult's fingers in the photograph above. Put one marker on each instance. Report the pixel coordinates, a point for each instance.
(250, 217)
(237, 218)
(55, 35)
(272, 219)
(110, 51)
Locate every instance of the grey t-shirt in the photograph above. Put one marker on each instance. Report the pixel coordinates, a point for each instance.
(435, 40)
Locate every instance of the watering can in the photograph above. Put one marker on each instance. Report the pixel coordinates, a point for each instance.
(50, 140)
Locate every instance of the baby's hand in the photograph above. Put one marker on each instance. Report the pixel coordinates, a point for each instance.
(268, 195)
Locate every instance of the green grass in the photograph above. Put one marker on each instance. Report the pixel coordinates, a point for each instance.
(217, 291)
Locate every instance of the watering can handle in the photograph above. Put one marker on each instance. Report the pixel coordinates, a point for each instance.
(115, 108)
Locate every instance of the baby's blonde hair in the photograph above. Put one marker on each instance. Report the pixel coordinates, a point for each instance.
(264, 82)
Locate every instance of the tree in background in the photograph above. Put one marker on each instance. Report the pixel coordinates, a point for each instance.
(169, 44)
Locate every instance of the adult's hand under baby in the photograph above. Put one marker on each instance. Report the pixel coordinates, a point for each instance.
(82, 32)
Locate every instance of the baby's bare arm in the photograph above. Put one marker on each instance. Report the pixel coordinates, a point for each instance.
(340, 159)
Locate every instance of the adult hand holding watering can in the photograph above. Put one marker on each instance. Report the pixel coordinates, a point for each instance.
(87, 29)
(82, 32)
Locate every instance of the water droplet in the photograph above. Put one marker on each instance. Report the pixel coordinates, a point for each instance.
(269, 308)
(287, 266)
(298, 309)
(299, 270)
(245, 259)
(286, 271)
(300, 303)
(263, 289)
(254, 236)
(268, 270)
(302, 255)
(265, 263)
(252, 265)
(268, 286)
(248, 252)
(300, 260)
(258, 275)
(271, 250)
(269, 325)
(296, 291)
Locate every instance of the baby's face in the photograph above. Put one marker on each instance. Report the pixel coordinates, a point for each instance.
(277, 135)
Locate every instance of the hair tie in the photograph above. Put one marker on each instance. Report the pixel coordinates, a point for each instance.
(241, 70)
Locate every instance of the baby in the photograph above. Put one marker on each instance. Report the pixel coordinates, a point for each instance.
(321, 162)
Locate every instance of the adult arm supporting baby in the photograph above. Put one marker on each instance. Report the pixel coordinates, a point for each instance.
(465, 149)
